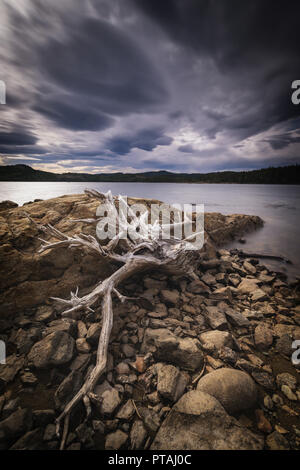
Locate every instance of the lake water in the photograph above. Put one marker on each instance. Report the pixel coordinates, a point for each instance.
(277, 205)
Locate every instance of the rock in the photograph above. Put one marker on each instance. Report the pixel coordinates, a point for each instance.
(234, 389)
(122, 368)
(223, 293)
(258, 295)
(27, 378)
(268, 402)
(263, 337)
(138, 435)
(81, 329)
(140, 364)
(262, 423)
(68, 325)
(126, 412)
(288, 393)
(7, 205)
(12, 366)
(277, 441)
(170, 297)
(44, 314)
(128, 350)
(208, 279)
(171, 383)
(93, 333)
(247, 286)
(30, 441)
(198, 287)
(199, 422)
(115, 440)
(286, 379)
(10, 406)
(50, 433)
(68, 388)
(85, 435)
(82, 346)
(249, 267)
(15, 425)
(215, 340)
(216, 318)
(42, 417)
(264, 379)
(237, 318)
(110, 401)
(150, 419)
(184, 352)
(55, 349)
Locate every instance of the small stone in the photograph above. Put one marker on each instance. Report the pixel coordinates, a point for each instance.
(140, 364)
(263, 337)
(44, 314)
(93, 333)
(138, 435)
(277, 400)
(268, 402)
(27, 378)
(215, 340)
(122, 368)
(55, 349)
(82, 346)
(258, 295)
(288, 393)
(50, 433)
(286, 379)
(216, 318)
(249, 267)
(110, 401)
(171, 383)
(128, 350)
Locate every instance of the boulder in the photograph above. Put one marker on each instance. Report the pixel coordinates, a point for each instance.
(55, 349)
(199, 422)
(234, 389)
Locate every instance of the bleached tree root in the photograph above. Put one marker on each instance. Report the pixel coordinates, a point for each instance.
(142, 254)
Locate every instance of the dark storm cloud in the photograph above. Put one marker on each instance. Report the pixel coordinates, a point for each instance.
(254, 42)
(72, 115)
(145, 139)
(17, 138)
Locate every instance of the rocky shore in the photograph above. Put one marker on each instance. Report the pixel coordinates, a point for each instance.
(202, 364)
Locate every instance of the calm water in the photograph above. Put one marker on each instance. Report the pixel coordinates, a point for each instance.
(277, 205)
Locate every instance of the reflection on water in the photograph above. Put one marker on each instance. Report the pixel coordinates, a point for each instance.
(277, 205)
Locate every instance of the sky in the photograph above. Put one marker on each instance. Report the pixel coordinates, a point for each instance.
(140, 85)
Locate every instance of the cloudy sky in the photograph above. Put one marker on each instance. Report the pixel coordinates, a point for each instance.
(132, 85)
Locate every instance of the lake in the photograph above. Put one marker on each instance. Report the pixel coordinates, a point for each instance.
(277, 205)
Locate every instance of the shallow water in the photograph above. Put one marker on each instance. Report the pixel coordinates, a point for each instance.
(277, 205)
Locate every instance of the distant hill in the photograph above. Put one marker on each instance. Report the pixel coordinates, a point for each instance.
(280, 175)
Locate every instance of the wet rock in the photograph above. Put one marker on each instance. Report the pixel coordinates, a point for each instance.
(234, 389)
(215, 340)
(199, 422)
(171, 383)
(115, 440)
(277, 441)
(55, 349)
(138, 435)
(263, 337)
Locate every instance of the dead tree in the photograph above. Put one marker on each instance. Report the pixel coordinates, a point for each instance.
(131, 255)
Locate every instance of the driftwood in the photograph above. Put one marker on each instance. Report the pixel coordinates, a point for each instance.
(173, 256)
(242, 254)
